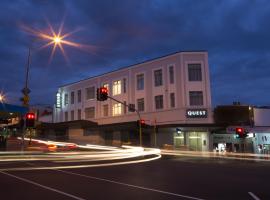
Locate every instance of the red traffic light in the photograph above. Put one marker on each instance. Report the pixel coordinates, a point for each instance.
(239, 130)
(103, 90)
(142, 121)
(30, 116)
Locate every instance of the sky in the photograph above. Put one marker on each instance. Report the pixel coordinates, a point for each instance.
(118, 33)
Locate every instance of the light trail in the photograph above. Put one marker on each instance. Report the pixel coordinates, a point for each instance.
(111, 155)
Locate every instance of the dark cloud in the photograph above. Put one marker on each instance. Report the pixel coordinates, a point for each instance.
(235, 33)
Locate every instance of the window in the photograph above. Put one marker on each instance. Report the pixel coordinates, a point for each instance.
(79, 94)
(116, 87)
(124, 85)
(90, 93)
(125, 107)
(66, 116)
(106, 110)
(196, 98)
(158, 77)
(140, 82)
(79, 117)
(172, 100)
(140, 104)
(194, 72)
(66, 99)
(89, 112)
(159, 101)
(171, 74)
(117, 109)
(72, 98)
(72, 115)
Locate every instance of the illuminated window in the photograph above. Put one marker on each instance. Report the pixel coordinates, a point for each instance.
(116, 87)
(117, 109)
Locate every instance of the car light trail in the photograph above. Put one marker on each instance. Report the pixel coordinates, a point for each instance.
(112, 155)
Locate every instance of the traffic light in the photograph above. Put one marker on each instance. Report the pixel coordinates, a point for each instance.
(30, 120)
(102, 94)
(142, 122)
(240, 132)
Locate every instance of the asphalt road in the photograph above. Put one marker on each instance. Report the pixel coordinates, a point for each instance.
(166, 178)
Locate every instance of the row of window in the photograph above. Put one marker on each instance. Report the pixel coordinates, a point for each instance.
(195, 97)
(194, 74)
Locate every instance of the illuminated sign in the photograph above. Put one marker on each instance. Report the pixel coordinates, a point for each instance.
(58, 100)
(196, 113)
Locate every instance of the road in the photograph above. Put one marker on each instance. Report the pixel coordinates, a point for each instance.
(171, 177)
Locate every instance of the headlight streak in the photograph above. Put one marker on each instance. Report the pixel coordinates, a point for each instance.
(116, 155)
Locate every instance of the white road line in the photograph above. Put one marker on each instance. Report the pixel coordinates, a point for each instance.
(253, 196)
(43, 186)
(129, 185)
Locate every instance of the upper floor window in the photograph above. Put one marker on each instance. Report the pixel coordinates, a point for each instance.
(159, 101)
(172, 100)
(116, 87)
(171, 74)
(117, 109)
(66, 116)
(79, 114)
(66, 99)
(79, 95)
(196, 98)
(158, 77)
(89, 112)
(140, 104)
(124, 85)
(90, 93)
(194, 72)
(140, 82)
(72, 115)
(106, 110)
(72, 98)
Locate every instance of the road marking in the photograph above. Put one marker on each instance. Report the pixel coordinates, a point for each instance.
(43, 186)
(253, 196)
(130, 185)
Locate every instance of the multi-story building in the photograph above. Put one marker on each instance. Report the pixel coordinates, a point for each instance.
(172, 94)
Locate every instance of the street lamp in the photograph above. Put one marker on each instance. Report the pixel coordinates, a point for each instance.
(2, 98)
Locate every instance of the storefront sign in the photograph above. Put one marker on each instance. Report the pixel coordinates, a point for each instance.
(58, 100)
(196, 113)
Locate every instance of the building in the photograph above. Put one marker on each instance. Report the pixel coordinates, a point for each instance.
(172, 94)
(255, 121)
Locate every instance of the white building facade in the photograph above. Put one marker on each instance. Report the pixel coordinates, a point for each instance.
(170, 90)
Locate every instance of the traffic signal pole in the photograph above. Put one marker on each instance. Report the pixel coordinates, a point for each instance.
(138, 113)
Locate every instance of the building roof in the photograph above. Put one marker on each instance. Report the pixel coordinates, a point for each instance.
(129, 66)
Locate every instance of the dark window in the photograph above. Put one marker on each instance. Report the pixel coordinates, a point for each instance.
(106, 110)
(171, 74)
(72, 115)
(66, 116)
(89, 112)
(79, 117)
(140, 82)
(172, 100)
(125, 85)
(196, 98)
(79, 93)
(72, 98)
(66, 99)
(140, 104)
(194, 72)
(90, 93)
(158, 77)
(159, 101)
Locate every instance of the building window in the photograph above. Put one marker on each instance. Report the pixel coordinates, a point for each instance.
(66, 99)
(158, 77)
(172, 100)
(140, 104)
(79, 94)
(117, 109)
(159, 101)
(106, 110)
(171, 74)
(124, 85)
(79, 117)
(125, 107)
(66, 116)
(196, 98)
(140, 82)
(116, 87)
(90, 112)
(90, 93)
(72, 115)
(72, 98)
(194, 72)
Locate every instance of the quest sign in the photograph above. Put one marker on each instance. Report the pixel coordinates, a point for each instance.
(196, 113)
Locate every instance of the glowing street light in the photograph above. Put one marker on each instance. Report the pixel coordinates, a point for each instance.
(2, 98)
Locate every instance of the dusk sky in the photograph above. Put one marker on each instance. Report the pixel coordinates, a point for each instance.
(115, 34)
